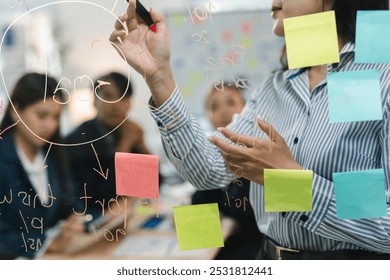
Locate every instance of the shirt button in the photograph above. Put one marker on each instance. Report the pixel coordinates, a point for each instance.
(160, 124)
(303, 218)
(296, 140)
(284, 214)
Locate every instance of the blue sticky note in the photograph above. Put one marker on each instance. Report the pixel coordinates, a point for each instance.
(354, 96)
(360, 194)
(372, 43)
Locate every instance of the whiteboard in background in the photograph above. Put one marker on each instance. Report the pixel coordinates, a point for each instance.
(208, 48)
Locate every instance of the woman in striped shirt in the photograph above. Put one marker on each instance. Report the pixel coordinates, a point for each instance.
(301, 136)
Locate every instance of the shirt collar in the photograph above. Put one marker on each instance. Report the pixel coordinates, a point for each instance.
(292, 73)
(348, 48)
(32, 167)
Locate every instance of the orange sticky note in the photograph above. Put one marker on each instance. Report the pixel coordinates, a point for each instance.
(136, 175)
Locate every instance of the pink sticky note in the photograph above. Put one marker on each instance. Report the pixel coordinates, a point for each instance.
(136, 175)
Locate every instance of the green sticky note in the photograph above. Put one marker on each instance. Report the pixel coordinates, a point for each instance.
(311, 40)
(198, 226)
(287, 190)
(360, 194)
(354, 96)
(372, 46)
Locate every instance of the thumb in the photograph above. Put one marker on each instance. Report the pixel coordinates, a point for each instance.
(156, 17)
(270, 131)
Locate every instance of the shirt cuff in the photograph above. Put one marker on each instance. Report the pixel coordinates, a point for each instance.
(171, 115)
(322, 197)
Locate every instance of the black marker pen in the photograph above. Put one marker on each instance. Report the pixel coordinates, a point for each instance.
(144, 14)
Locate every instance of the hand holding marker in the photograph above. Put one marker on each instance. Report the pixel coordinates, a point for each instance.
(144, 14)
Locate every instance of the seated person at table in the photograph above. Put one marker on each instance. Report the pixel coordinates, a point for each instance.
(109, 132)
(221, 105)
(34, 191)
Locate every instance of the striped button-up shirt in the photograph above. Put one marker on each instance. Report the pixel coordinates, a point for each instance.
(301, 117)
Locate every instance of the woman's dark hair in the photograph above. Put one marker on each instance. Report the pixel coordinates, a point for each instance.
(118, 80)
(29, 89)
(346, 11)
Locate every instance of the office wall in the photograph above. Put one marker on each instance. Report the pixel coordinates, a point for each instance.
(227, 47)
(75, 25)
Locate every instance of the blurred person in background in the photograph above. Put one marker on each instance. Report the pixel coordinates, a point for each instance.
(109, 132)
(222, 104)
(35, 196)
(298, 138)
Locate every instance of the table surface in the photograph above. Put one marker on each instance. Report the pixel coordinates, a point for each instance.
(125, 238)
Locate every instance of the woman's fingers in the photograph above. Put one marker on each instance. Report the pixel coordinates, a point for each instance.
(243, 140)
(224, 146)
(246, 141)
(120, 31)
(237, 158)
(117, 37)
(120, 23)
(158, 19)
(270, 131)
(233, 155)
(132, 21)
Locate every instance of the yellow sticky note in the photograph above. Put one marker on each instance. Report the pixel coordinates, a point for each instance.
(311, 40)
(198, 226)
(287, 190)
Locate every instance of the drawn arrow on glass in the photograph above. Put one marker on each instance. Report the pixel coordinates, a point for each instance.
(47, 154)
(1, 132)
(100, 171)
(103, 83)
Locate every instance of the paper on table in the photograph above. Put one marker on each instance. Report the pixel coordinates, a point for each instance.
(136, 175)
(360, 194)
(287, 190)
(311, 40)
(150, 246)
(156, 246)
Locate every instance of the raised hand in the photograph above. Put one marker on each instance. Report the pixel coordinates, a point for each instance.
(148, 52)
(254, 154)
